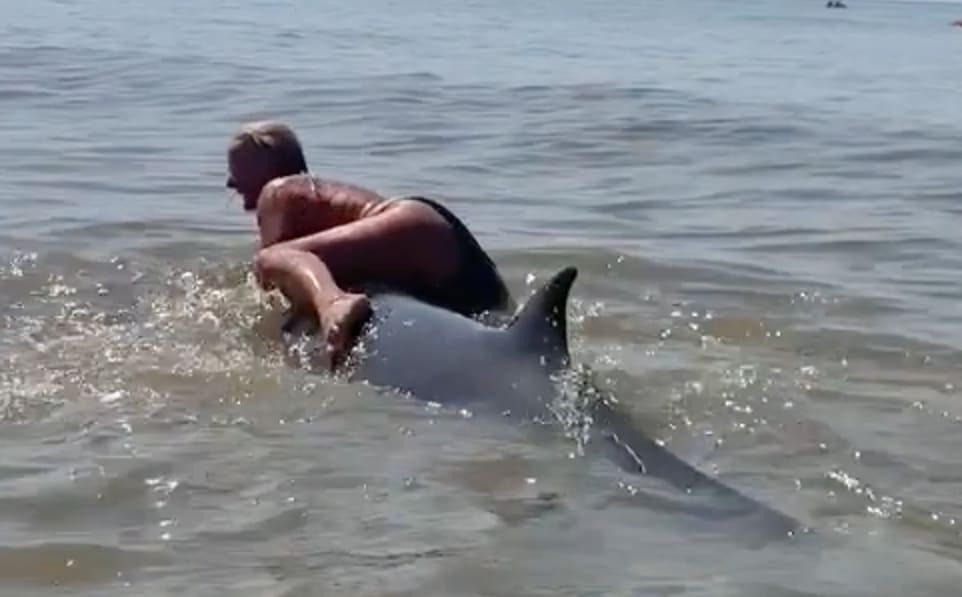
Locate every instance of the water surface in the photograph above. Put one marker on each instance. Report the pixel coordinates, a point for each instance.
(763, 199)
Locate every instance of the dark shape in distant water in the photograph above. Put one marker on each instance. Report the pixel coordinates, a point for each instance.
(835, 4)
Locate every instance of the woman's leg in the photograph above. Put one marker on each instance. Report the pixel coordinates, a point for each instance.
(406, 245)
(309, 286)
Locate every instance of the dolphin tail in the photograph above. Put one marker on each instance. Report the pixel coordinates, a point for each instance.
(634, 452)
(542, 323)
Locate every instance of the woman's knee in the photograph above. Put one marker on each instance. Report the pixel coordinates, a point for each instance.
(271, 262)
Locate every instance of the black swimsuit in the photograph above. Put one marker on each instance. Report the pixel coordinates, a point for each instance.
(477, 286)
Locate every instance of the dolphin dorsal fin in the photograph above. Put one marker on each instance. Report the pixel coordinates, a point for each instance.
(542, 323)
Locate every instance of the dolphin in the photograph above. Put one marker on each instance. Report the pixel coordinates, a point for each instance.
(441, 356)
(514, 369)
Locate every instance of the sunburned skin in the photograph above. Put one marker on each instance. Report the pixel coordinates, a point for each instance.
(321, 239)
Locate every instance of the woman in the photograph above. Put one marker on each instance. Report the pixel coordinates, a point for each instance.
(319, 237)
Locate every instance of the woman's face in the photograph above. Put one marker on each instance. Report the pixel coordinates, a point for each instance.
(249, 170)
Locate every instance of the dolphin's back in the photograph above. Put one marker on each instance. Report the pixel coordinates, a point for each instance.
(446, 357)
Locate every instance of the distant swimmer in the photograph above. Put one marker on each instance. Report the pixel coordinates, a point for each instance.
(957, 23)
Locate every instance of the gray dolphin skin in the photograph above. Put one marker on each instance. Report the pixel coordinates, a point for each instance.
(511, 370)
(441, 356)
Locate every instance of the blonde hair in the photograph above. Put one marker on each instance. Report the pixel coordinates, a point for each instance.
(277, 141)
